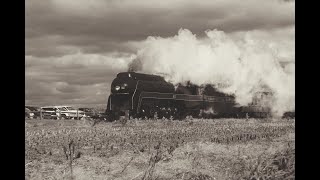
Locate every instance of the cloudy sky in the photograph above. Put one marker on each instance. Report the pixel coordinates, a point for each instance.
(74, 48)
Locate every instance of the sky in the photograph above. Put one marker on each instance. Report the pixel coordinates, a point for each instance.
(75, 48)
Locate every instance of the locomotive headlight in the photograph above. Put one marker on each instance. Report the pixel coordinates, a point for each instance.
(117, 88)
(124, 86)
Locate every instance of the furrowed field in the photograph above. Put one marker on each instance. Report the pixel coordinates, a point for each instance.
(160, 149)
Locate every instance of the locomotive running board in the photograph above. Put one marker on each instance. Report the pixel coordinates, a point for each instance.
(153, 95)
(181, 97)
(171, 96)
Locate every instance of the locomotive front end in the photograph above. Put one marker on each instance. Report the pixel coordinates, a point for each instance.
(120, 99)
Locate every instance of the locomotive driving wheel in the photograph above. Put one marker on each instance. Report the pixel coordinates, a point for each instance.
(182, 115)
(147, 112)
(114, 116)
(154, 113)
(195, 114)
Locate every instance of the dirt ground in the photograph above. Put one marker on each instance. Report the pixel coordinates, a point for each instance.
(156, 149)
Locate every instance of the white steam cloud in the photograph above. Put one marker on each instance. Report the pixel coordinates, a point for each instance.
(243, 67)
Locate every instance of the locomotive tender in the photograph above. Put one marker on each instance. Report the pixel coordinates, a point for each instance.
(143, 95)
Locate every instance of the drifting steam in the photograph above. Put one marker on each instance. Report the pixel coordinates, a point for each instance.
(235, 67)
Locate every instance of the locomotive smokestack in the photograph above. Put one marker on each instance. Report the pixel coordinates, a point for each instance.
(135, 65)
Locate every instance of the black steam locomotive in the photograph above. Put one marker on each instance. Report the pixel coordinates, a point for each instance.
(142, 95)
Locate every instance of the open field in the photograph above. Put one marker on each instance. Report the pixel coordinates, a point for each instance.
(160, 149)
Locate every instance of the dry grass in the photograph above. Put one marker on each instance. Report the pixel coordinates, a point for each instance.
(192, 149)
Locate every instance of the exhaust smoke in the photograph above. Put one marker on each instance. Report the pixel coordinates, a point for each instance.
(240, 67)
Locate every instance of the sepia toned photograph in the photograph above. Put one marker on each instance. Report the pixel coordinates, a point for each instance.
(160, 90)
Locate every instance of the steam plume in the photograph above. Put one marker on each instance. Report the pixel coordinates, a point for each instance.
(241, 67)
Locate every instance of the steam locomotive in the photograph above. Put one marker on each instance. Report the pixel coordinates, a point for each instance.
(140, 95)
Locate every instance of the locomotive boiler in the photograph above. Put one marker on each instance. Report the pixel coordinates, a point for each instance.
(144, 95)
(131, 92)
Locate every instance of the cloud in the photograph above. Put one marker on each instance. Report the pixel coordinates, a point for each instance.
(75, 48)
(72, 78)
(90, 25)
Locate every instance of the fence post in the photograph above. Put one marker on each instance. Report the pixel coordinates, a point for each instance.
(40, 114)
(77, 114)
(127, 114)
